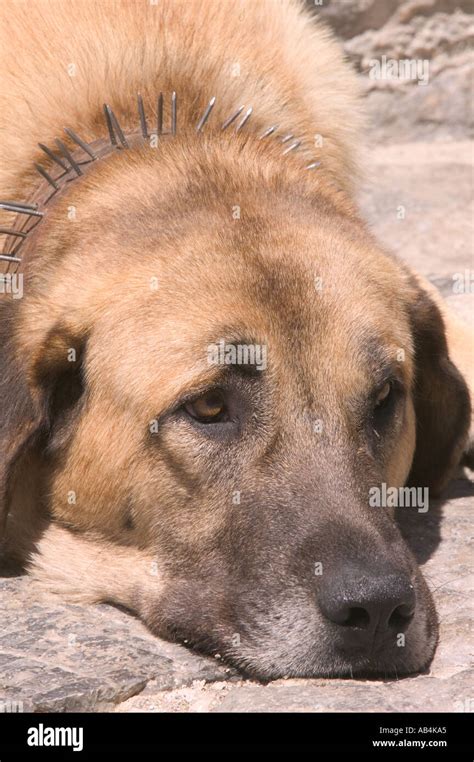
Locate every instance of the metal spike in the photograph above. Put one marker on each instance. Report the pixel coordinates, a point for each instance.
(8, 258)
(117, 129)
(80, 142)
(108, 122)
(6, 231)
(268, 132)
(205, 116)
(20, 208)
(313, 165)
(46, 176)
(159, 117)
(292, 147)
(174, 113)
(67, 154)
(52, 156)
(245, 119)
(232, 118)
(141, 114)
(286, 138)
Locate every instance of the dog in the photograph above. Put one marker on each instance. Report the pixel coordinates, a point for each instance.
(213, 363)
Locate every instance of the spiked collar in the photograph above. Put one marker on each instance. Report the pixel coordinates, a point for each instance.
(70, 163)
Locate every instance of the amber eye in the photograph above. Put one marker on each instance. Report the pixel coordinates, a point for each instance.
(384, 395)
(208, 408)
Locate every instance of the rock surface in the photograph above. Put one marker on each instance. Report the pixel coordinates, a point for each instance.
(57, 657)
(438, 32)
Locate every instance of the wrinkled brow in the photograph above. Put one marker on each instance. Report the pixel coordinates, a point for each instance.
(210, 368)
(251, 354)
(382, 361)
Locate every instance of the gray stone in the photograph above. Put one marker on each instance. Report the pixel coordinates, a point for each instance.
(437, 31)
(56, 657)
(420, 694)
(415, 198)
(349, 18)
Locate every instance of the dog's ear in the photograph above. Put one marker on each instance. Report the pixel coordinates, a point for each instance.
(441, 397)
(35, 389)
(22, 416)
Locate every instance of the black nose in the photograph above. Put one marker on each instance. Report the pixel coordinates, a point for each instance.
(367, 606)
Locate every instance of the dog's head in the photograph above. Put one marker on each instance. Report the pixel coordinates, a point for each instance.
(220, 366)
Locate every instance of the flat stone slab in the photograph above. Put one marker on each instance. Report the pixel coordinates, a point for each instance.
(57, 657)
(418, 694)
(417, 198)
(62, 657)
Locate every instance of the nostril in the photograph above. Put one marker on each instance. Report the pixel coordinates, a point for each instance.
(357, 617)
(368, 605)
(401, 617)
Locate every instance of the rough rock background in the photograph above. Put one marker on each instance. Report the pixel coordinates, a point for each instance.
(439, 31)
(59, 657)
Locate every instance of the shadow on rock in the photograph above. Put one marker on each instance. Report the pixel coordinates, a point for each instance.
(422, 531)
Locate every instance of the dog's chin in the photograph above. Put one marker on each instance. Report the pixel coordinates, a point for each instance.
(274, 642)
(331, 666)
(266, 665)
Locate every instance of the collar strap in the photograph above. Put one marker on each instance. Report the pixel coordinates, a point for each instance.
(71, 163)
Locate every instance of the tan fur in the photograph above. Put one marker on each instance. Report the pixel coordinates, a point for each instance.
(113, 48)
(84, 559)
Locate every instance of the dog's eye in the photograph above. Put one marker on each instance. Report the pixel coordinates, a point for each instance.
(208, 408)
(383, 395)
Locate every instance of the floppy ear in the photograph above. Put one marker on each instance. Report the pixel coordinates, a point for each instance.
(441, 397)
(31, 393)
(22, 413)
